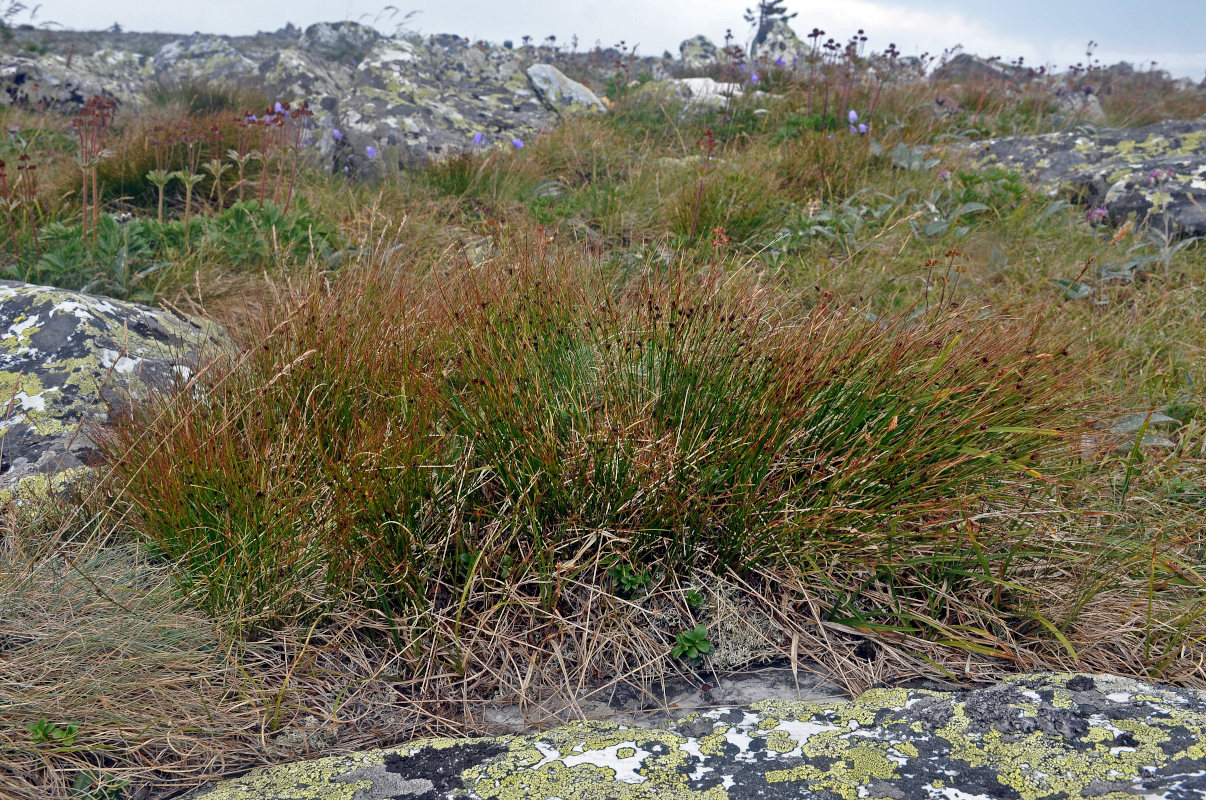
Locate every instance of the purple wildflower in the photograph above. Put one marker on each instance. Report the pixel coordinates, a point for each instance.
(779, 62)
(852, 116)
(754, 77)
(278, 108)
(336, 134)
(370, 151)
(1096, 216)
(517, 144)
(862, 127)
(1160, 175)
(478, 138)
(944, 174)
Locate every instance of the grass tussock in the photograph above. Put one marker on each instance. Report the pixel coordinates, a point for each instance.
(504, 434)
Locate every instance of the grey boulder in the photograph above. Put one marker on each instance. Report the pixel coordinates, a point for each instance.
(560, 94)
(65, 357)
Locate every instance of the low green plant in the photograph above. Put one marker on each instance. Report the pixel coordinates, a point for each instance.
(130, 258)
(43, 731)
(627, 580)
(692, 644)
(90, 785)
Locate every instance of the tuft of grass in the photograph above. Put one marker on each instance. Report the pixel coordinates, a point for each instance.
(201, 97)
(546, 412)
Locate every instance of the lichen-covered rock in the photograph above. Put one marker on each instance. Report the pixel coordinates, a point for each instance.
(427, 97)
(1081, 105)
(65, 356)
(293, 75)
(202, 56)
(1155, 174)
(59, 82)
(698, 52)
(1034, 736)
(343, 42)
(560, 94)
(967, 68)
(781, 42)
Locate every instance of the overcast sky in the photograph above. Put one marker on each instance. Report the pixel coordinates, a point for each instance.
(1170, 32)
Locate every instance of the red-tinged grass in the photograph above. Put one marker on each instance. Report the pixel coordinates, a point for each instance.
(384, 434)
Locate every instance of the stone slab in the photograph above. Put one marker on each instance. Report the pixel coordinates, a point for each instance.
(1030, 737)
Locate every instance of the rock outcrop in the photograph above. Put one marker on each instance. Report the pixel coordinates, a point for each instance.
(422, 96)
(1155, 175)
(65, 357)
(698, 52)
(1033, 736)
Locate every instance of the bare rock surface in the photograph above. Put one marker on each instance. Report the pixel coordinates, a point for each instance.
(1032, 736)
(65, 357)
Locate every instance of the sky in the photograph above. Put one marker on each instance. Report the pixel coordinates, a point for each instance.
(1053, 32)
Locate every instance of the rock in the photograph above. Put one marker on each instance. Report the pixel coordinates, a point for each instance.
(702, 93)
(1081, 105)
(1155, 174)
(294, 75)
(674, 697)
(562, 95)
(1032, 736)
(342, 42)
(966, 68)
(781, 43)
(698, 52)
(64, 356)
(202, 56)
(58, 82)
(427, 97)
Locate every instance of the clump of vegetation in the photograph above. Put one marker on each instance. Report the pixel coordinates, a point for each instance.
(792, 353)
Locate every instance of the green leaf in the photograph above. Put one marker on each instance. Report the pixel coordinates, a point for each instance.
(1071, 290)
